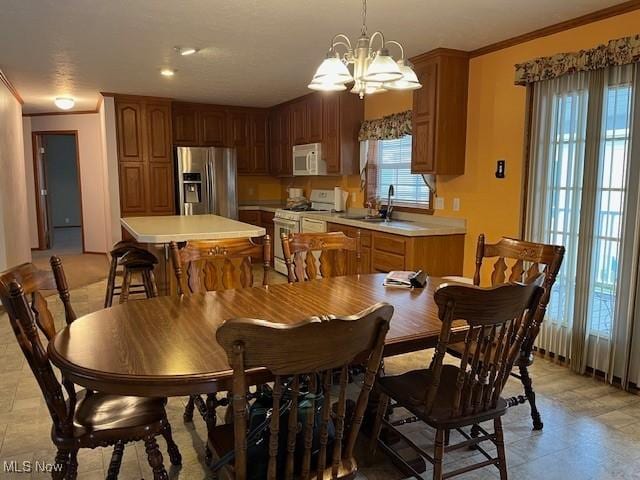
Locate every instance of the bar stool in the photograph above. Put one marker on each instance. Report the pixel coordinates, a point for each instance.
(142, 263)
(118, 252)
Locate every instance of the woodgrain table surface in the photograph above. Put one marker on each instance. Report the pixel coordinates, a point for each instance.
(166, 346)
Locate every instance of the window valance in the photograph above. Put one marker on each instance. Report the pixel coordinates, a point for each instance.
(386, 128)
(621, 51)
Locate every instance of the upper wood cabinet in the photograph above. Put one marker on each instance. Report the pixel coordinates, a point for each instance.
(440, 112)
(145, 159)
(332, 119)
(259, 141)
(342, 115)
(185, 124)
(213, 126)
(239, 139)
(306, 119)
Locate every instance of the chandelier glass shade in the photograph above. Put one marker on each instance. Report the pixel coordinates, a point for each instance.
(371, 71)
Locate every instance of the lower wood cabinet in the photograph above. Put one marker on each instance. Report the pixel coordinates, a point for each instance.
(260, 219)
(383, 252)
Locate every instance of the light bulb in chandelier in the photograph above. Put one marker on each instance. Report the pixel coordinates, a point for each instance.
(409, 80)
(334, 69)
(382, 68)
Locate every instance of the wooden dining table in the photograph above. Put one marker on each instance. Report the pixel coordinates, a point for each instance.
(166, 346)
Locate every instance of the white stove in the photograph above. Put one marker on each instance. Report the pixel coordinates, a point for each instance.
(290, 221)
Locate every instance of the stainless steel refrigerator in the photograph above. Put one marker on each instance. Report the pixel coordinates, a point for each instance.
(206, 181)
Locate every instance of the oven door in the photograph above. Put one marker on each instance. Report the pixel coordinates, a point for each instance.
(282, 225)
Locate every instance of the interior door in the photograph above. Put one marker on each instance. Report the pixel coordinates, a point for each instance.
(43, 208)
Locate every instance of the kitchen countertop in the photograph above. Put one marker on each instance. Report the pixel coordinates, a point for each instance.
(413, 228)
(265, 207)
(177, 228)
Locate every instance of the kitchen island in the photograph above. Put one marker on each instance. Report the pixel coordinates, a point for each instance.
(155, 233)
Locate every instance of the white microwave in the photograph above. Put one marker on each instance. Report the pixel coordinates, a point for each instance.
(307, 160)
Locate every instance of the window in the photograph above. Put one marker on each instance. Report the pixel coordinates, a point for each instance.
(393, 167)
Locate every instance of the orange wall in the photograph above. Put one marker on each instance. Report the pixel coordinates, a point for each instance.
(261, 188)
(495, 130)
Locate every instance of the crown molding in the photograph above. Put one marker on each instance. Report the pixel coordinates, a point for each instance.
(602, 14)
(7, 83)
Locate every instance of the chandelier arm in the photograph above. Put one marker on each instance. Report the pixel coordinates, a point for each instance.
(373, 36)
(399, 45)
(342, 36)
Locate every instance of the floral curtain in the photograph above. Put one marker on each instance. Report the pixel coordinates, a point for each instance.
(621, 51)
(385, 128)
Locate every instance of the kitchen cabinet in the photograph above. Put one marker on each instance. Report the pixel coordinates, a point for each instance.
(145, 160)
(261, 219)
(212, 123)
(440, 112)
(342, 115)
(259, 142)
(185, 125)
(333, 119)
(245, 129)
(438, 255)
(280, 141)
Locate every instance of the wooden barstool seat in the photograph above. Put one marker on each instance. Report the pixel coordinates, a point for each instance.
(138, 262)
(118, 251)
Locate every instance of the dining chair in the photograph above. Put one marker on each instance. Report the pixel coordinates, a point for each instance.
(144, 263)
(215, 265)
(450, 397)
(314, 255)
(517, 261)
(302, 357)
(84, 419)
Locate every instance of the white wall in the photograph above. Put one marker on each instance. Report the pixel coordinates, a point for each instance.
(96, 215)
(110, 153)
(14, 226)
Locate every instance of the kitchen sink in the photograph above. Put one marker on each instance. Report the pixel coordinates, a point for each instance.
(365, 218)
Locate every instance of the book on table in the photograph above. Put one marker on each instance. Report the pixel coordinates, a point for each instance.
(399, 279)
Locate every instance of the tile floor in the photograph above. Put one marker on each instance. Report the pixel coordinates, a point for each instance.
(592, 430)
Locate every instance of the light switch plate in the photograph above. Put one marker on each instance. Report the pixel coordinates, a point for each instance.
(456, 204)
(439, 203)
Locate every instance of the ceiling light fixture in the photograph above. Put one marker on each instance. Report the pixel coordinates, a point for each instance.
(64, 103)
(167, 72)
(184, 51)
(371, 71)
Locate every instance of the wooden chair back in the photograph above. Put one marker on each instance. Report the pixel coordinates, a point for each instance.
(313, 350)
(214, 265)
(498, 319)
(20, 292)
(313, 255)
(522, 261)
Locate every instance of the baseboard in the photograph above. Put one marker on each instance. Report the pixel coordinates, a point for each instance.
(67, 226)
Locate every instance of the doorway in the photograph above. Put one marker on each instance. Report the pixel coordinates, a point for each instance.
(58, 193)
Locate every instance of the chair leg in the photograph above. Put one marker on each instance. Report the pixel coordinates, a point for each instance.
(210, 420)
(525, 378)
(172, 448)
(447, 437)
(502, 458)
(438, 454)
(116, 461)
(188, 410)
(72, 469)
(126, 282)
(383, 404)
(152, 283)
(111, 283)
(61, 464)
(155, 459)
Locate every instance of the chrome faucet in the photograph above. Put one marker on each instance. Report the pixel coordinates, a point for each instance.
(387, 217)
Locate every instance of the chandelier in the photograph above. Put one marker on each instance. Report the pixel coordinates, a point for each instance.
(371, 71)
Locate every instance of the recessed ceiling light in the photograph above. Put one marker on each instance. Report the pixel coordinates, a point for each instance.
(64, 103)
(167, 72)
(184, 51)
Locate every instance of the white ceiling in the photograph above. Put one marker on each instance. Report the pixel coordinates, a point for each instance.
(254, 52)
